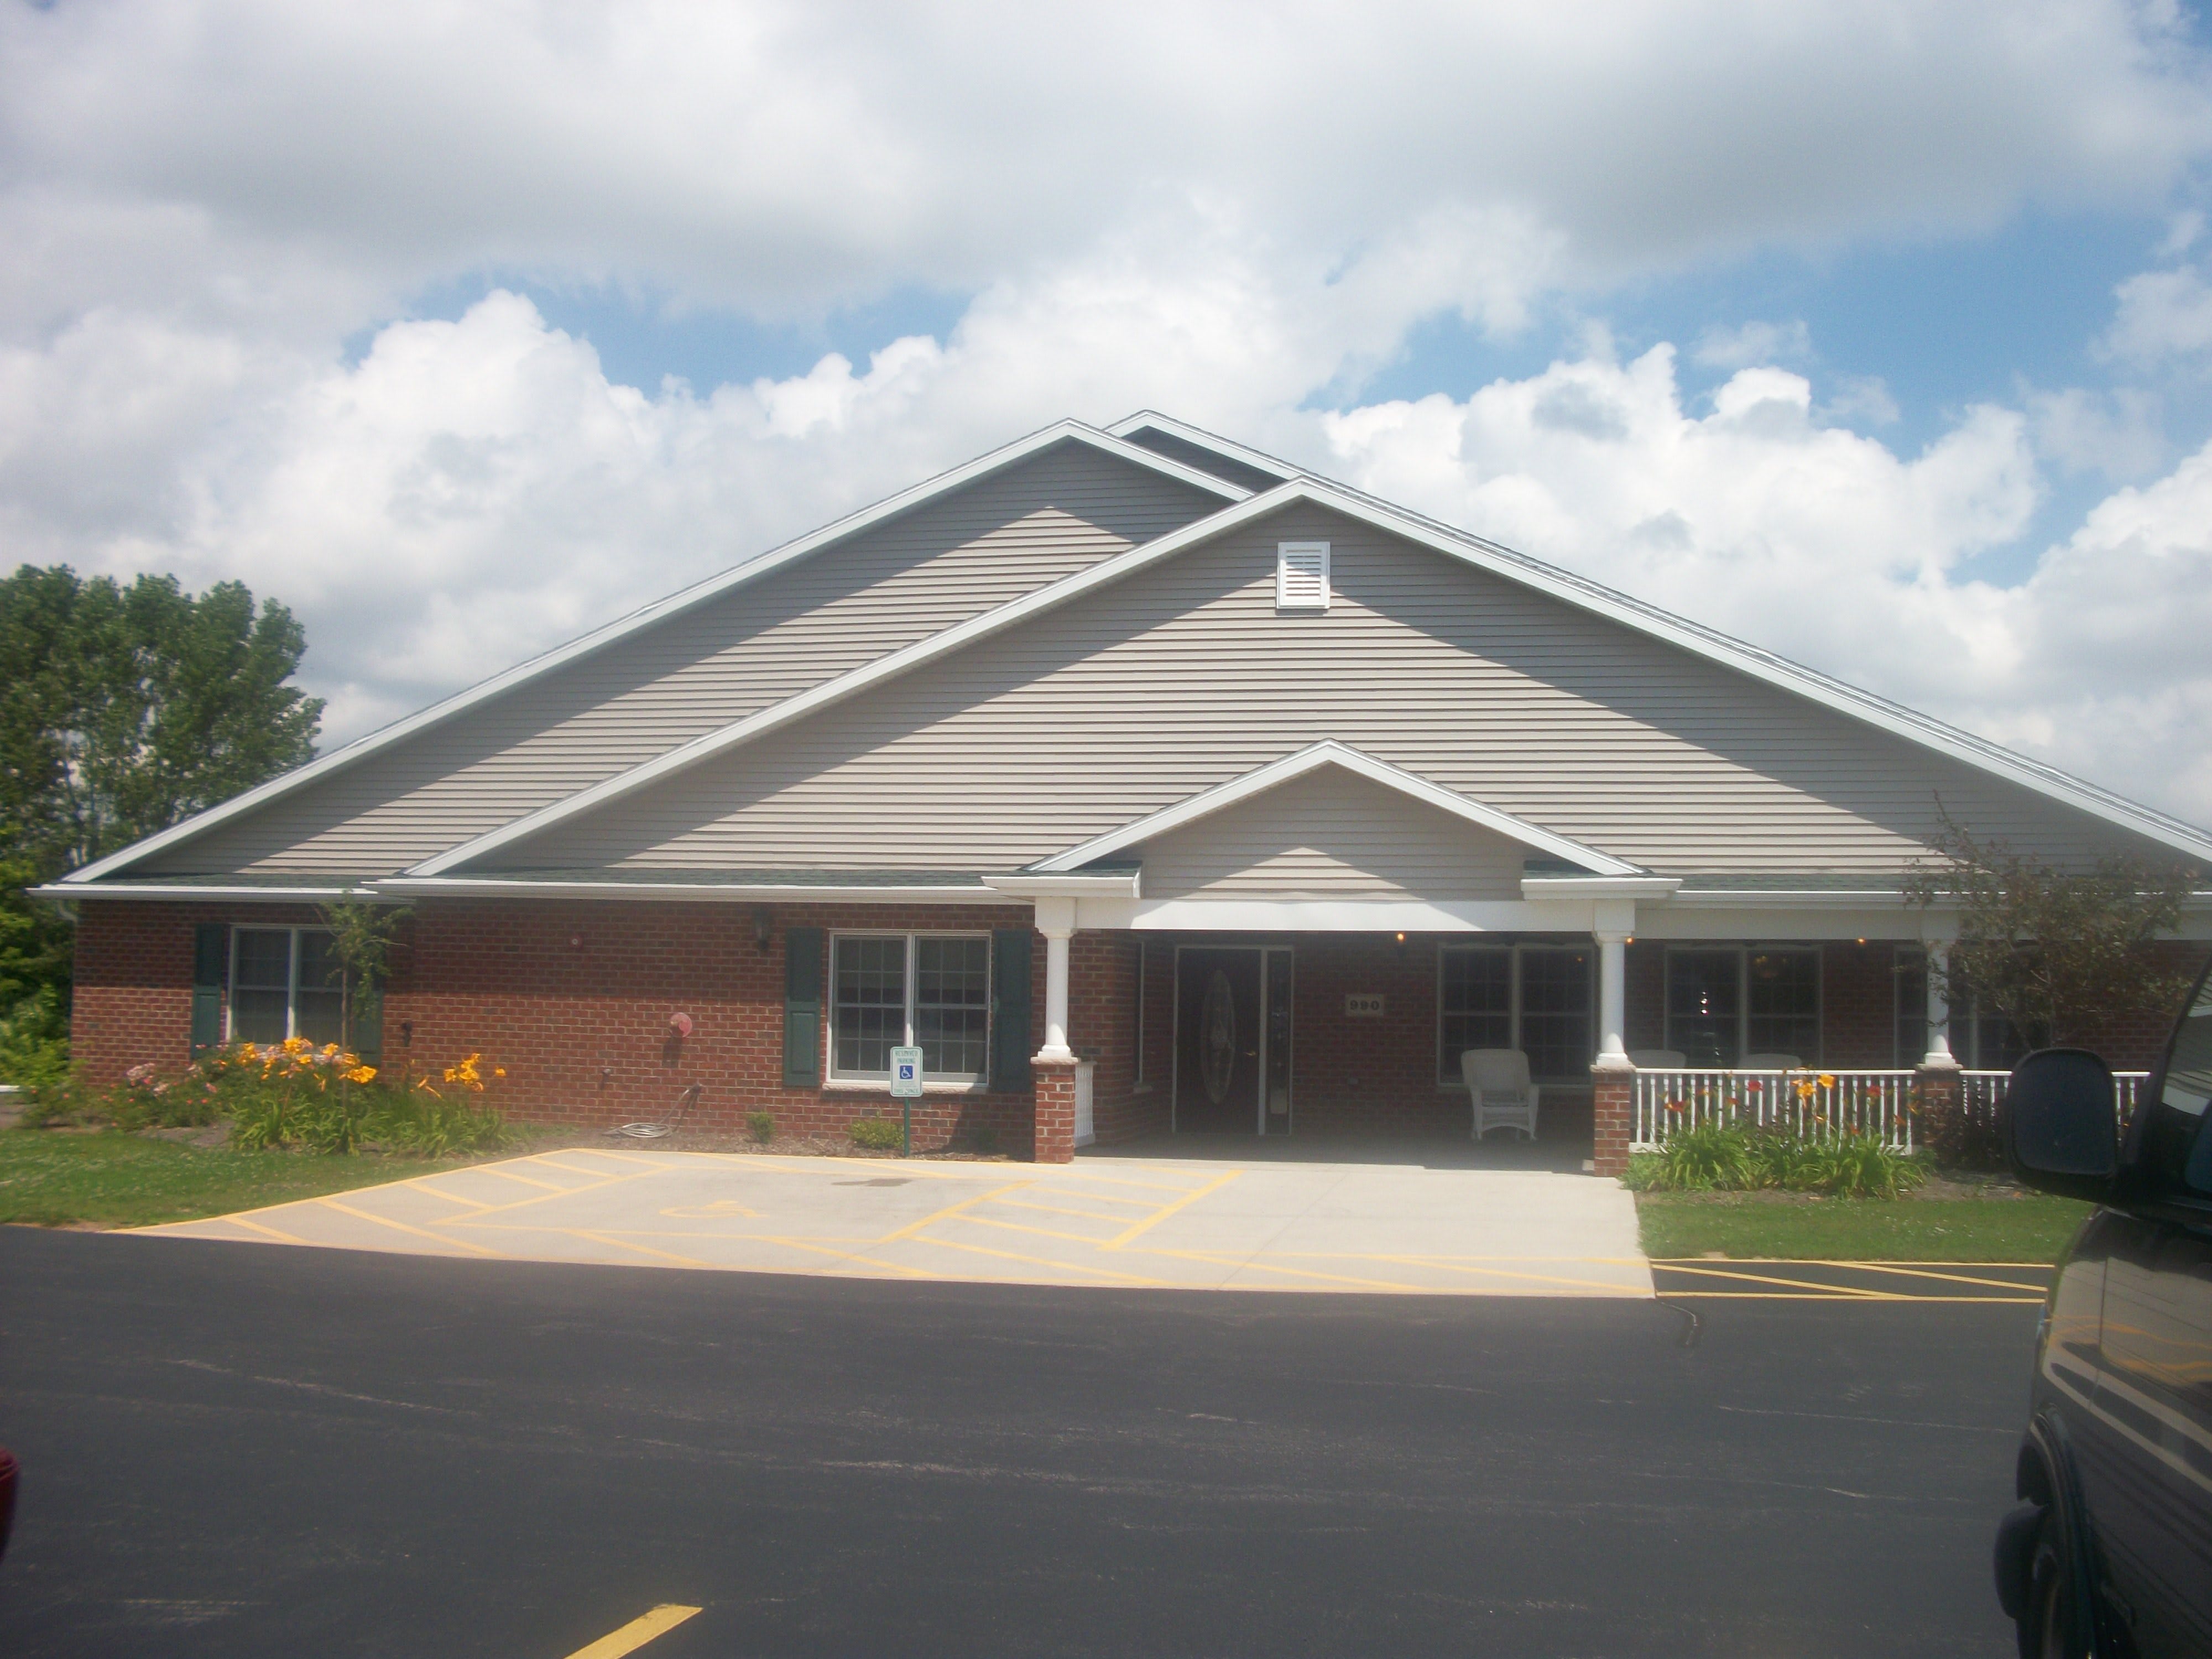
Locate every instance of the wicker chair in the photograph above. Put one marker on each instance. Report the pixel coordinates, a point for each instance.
(1497, 1081)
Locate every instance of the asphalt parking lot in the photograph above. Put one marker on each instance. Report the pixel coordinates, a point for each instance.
(241, 1452)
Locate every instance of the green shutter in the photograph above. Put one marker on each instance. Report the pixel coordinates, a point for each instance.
(802, 1007)
(210, 967)
(1010, 1008)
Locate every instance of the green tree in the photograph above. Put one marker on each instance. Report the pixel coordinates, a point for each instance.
(2063, 954)
(122, 711)
(362, 934)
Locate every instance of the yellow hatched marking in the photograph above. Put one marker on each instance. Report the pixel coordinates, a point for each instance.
(1468, 1264)
(1295, 1273)
(913, 1227)
(569, 1168)
(636, 1633)
(543, 1198)
(1016, 1227)
(642, 1250)
(422, 1184)
(1922, 1273)
(506, 1173)
(1127, 1181)
(1873, 1296)
(1044, 1262)
(1106, 1198)
(1768, 1279)
(1166, 1210)
(819, 1249)
(1059, 1209)
(259, 1227)
(401, 1226)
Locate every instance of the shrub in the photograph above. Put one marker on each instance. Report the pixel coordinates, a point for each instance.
(1698, 1160)
(1860, 1166)
(1958, 1138)
(876, 1134)
(762, 1125)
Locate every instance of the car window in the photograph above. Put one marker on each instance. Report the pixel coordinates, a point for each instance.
(2176, 1144)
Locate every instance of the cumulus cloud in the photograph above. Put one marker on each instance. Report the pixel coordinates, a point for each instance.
(213, 216)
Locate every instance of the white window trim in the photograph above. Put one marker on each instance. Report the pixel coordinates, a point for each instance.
(1744, 953)
(1285, 552)
(1514, 948)
(951, 1080)
(291, 980)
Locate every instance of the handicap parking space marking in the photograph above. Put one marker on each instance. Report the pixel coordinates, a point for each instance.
(720, 1209)
(1832, 1281)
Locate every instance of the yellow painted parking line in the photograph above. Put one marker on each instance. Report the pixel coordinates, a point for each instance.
(1447, 1265)
(1059, 1209)
(506, 1173)
(1829, 1295)
(1046, 1261)
(262, 1227)
(546, 1159)
(544, 1198)
(1106, 1198)
(642, 1250)
(1167, 1210)
(1923, 1272)
(913, 1227)
(1768, 1279)
(1126, 1181)
(975, 1220)
(1298, 1273)
(820, 1248)
(401, 1226)
(636, 1633)
(422, 1184)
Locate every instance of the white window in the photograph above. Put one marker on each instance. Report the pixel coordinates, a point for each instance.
(930, 991)
(284, 982)
(1536, 997)
(1302, 576)
(1728, 1000)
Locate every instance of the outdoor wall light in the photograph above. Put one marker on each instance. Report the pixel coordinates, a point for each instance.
(680, 1024)
(764, 927)
(575, 941)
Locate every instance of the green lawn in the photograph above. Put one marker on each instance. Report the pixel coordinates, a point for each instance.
(1742, 1225)
(115, 1180)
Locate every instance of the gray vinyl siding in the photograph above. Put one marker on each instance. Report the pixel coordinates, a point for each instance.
(1183, 675)
(1027, 526)
(1331, 835)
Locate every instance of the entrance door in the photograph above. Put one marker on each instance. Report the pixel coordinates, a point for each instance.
(1218, 1040)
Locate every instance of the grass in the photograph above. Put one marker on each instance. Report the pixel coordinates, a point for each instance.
(2035, 1228)
(113, 1179)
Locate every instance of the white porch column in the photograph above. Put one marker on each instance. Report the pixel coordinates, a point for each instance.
(1615, 920)
(1939, 1010)
(1055, 919)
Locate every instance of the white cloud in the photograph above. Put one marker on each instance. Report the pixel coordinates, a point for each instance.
(1230, 213)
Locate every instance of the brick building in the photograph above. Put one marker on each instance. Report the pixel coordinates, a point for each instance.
(1145, 783)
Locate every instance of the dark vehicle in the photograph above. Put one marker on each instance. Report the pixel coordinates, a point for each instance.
(2112, 1553)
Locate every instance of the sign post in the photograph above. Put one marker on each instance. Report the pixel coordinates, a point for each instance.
(906, 1087)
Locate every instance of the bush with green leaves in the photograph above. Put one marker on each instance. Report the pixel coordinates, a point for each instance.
(760, 1126)
(876, 1134)
(1724, 1158)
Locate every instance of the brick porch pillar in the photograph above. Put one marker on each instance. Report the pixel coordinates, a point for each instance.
(1613, 1088)
(1055, 1110)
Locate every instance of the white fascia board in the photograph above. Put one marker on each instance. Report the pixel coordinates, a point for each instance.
(1598, 887)
(1227, 448)
(724, 892)
(1498, 561)
(73, 891)
(1120, 883)
(659, 611)
(1329, 752)
(1200, 915)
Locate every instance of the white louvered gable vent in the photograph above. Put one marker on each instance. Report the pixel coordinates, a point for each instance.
(1302, 576)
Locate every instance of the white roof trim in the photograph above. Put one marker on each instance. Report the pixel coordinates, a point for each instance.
(71, 890)
(1502, 562)
(1031, 883)
(659, 611)
(1329, 752)
(1227, 448)
(727, 892)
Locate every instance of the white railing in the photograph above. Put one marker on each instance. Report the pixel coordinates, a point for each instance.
(1813, 1104)
(1983, 1092)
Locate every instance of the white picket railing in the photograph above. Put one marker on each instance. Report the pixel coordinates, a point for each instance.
(1814, 1104)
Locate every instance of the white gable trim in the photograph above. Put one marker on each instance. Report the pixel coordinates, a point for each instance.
(659, 611)
(1226, 448)
(1498, 561)
(1329, 752)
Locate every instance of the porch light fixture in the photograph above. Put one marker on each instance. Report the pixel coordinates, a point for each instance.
(680, 1024)
(764, 927)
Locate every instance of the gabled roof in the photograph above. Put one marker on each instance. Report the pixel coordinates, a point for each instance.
(658, 611)
(1490, 556)
(1312, 758)
(1208, 450)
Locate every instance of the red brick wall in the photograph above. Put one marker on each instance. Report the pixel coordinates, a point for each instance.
(1858, 1007)
(1101, 995)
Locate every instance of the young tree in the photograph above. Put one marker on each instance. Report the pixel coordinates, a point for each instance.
(2063, 955)
(362, 934)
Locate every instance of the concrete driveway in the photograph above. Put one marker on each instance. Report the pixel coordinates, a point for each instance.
(1166, 1222)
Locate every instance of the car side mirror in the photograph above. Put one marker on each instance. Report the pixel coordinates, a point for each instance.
(2060, 1125)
